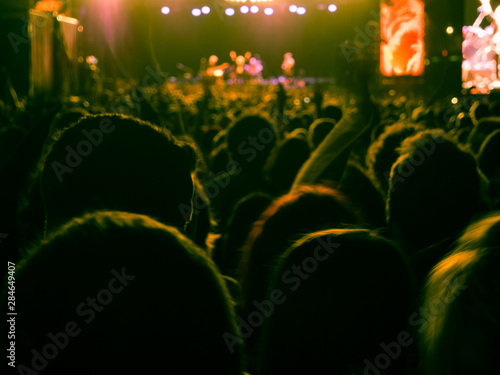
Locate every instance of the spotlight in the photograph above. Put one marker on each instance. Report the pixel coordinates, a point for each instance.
(244, 9)
(205, 10)
(165, 10)
(254, 9)
(229, 12)
(196, 12)
(301, 10)
(332, 8)
(268, 11)
(293, 8)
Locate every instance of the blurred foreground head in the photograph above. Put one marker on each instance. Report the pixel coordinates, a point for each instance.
(463, 296)
(114, 293)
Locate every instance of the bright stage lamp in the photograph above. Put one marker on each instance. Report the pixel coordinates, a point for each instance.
(205, 10)
(196, 12)
(254, 9)
(293, 8)
(229, 12)
(332, 8)
(244, 9)
(268, 11)
(165, 10)
(301, 10)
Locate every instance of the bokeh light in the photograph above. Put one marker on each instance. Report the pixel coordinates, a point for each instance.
(301, 10)
(268, 11)
(254, 9)
(229, 12)
(205, 9)
(292, 8)
(332, 8)
(165, 10)
(244, 9)
(449, 30)
(196, 12)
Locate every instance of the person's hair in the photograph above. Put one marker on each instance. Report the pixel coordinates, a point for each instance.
(433, 190)
(115, 162)
(463, 294)
(242, 132)
(481, 131)
(115, 292)
(479, 110)
(285, 161)
(488, 158)
(227, 255)
(303, 210)
(343, 292)
(383, 153)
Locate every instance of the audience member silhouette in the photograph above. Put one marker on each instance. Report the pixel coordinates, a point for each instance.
(116, 162)
(342, 294)
(116, 292)
(463, 295)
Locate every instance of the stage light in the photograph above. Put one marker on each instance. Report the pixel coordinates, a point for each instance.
(244, 9)
(165, 10)
(454, 101)
(449, 30)
(205, 9)
(332, 8)
(196, 12)
(292, 8)
(268, 11)
(229, 12)
(254, 9)
(301, 10)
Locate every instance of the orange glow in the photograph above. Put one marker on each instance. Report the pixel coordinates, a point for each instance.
(402, 34)
(48, 6)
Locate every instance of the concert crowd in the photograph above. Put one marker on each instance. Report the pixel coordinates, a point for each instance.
(189, 228)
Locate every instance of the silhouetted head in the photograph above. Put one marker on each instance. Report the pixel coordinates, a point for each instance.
(462, 293)
(303, 210)
(433, 192)
(383, 153)
(250, 140)
(115, 162)
(481, 131)
(114, 292)
(342, 294)
(319, 130)
(286, 160)
(333, 112)
(478, 110)
(488, 158)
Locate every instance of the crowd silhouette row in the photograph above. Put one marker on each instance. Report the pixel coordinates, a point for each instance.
(231, 230)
